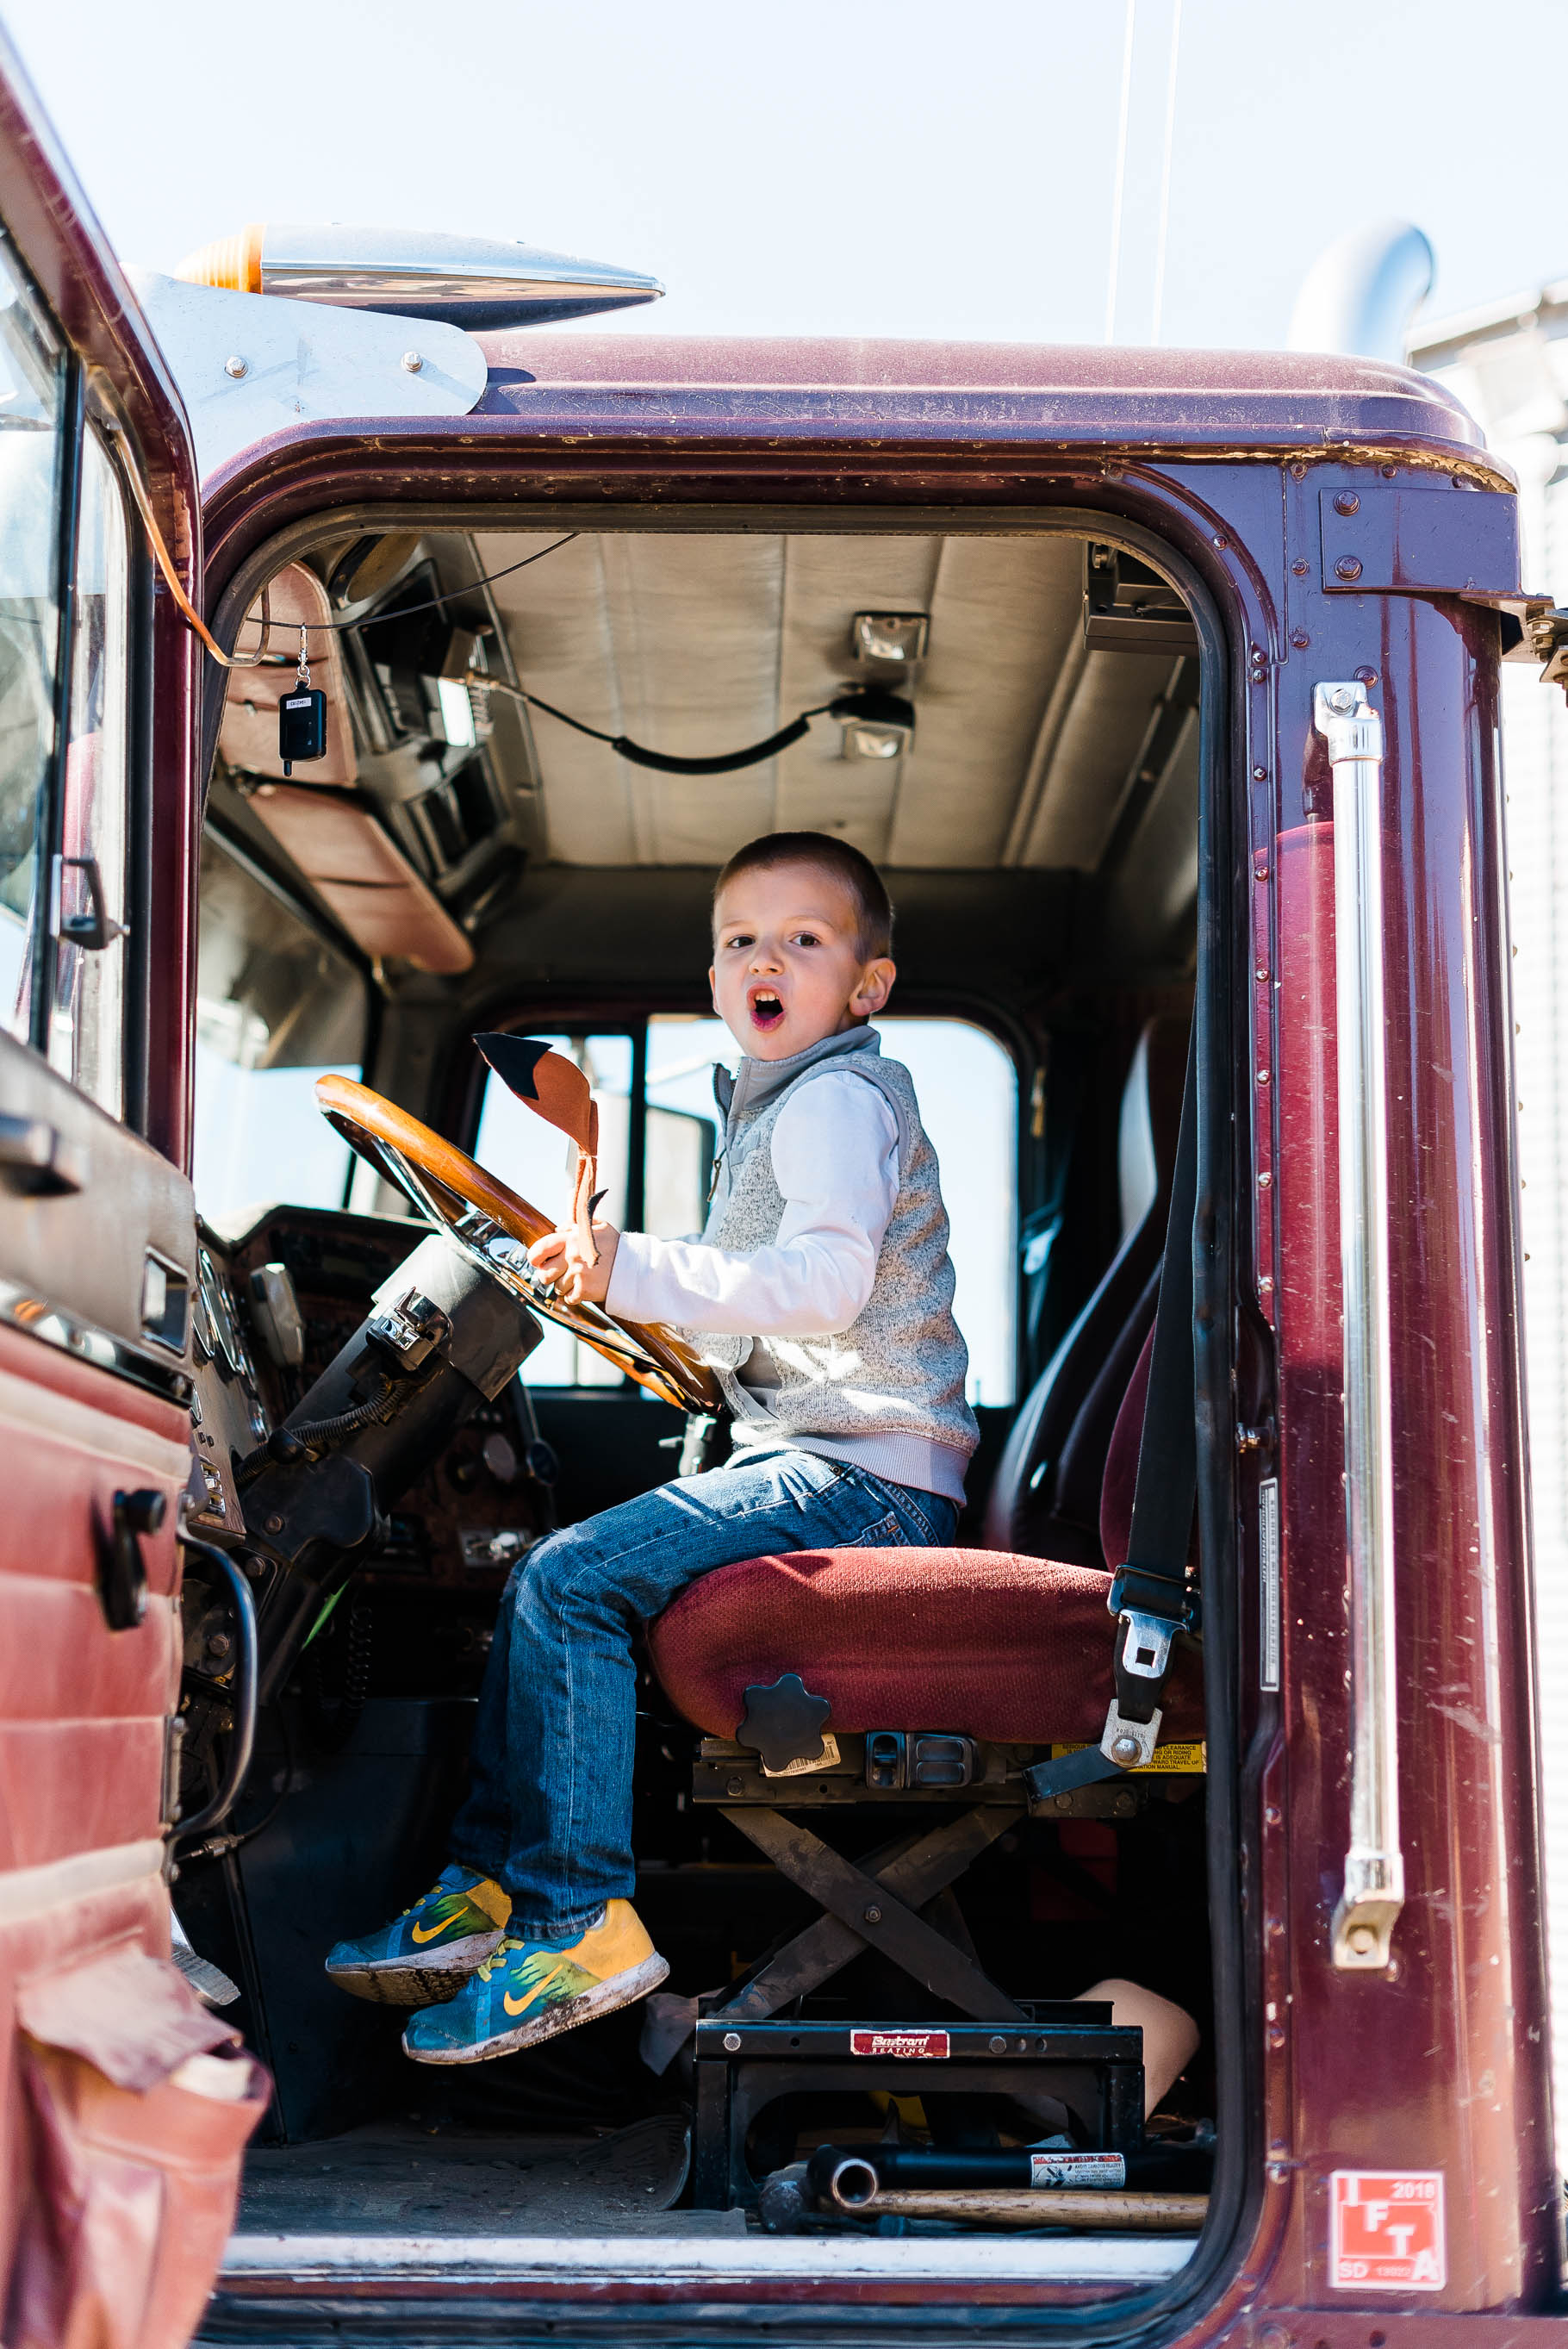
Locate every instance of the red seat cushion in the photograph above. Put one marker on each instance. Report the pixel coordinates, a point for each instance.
(976, 1642)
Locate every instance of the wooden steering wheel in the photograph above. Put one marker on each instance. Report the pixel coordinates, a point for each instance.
(495, 1228)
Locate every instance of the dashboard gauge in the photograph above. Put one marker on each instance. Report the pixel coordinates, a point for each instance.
(229, 1347)
(202, 1330)
(219, 1318)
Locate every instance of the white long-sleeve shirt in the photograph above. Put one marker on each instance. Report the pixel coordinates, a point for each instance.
(834, 1149)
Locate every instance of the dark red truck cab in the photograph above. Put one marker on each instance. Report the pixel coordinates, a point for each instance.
(1380, 2042)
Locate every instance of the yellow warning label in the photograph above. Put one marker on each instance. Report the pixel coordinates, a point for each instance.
(1178, 1760)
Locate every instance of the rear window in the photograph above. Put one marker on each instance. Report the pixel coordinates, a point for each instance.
(968, 1094)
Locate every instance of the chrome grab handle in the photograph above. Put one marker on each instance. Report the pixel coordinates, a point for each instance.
(1374, 1892)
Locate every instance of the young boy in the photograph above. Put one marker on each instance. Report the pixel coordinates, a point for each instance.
(821, 1294)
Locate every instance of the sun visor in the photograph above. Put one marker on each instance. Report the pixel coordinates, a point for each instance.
(249, 738)
(363, 876)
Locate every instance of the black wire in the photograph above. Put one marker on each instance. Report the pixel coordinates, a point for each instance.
(407, 611)
(665, 762)
(226, 1841)
(249, 1835)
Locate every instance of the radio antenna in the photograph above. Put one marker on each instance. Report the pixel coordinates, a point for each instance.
(1120, 188)
(1165, 170)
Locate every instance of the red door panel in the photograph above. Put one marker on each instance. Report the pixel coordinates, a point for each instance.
(117, 2176)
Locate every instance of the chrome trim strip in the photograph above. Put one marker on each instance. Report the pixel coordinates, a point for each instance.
(30, 1891)
(634, 2258)
(88, 1343)
(1374, 1890)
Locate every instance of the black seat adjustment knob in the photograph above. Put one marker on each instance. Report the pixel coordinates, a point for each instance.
(784, 1723)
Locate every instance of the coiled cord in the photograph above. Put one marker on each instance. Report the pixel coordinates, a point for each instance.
(286, 1444)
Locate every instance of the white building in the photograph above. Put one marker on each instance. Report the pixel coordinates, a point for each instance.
(1509, 364)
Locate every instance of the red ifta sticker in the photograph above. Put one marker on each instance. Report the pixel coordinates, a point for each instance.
(1387, 2230)
(900, 2044)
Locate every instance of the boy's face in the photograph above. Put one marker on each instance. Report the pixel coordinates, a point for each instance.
(787, 967)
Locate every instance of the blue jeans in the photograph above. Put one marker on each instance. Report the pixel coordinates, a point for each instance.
(548, 1809)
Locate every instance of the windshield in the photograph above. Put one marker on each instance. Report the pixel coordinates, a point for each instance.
(29, 618)
(276, 1007)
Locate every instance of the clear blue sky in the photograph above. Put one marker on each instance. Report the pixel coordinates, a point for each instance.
(928, 169)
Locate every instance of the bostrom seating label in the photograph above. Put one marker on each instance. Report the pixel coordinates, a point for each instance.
(899, 2044)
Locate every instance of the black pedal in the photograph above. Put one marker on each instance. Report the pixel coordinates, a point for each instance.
(301, 726)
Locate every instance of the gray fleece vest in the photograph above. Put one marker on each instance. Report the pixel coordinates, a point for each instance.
(887, 1393)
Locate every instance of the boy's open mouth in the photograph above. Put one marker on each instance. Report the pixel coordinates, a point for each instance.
(767, 1010)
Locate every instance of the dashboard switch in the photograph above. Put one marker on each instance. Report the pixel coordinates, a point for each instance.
(412, 1328)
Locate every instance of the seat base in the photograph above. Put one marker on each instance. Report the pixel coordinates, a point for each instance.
(1073, 2052)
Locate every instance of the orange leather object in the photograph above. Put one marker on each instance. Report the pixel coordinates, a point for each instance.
(249, 738)
(556, 1090)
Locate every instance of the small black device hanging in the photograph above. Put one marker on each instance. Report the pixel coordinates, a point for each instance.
(302, 717)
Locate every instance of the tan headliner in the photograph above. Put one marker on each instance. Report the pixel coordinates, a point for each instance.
(696, 643)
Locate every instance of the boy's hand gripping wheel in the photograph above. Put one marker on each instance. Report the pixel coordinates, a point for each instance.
(556, 1090)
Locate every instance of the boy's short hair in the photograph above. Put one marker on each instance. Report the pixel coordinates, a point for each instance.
(855, 872)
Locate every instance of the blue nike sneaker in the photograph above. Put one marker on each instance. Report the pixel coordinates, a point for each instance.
(429, 1952)
(529, 1991)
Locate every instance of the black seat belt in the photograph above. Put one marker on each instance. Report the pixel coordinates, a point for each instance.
(1151, 1596)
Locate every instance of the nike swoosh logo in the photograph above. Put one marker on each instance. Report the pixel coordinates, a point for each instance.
(518, 2005)
(428, 1933)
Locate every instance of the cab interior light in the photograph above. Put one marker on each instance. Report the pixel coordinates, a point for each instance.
(890, 643)
(876, 725)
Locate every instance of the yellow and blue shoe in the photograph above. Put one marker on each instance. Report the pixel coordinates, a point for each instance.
(430, 1950)
(529, 1991)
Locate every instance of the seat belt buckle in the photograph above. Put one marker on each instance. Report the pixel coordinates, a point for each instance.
(1135, 1589)
(1145, 1652)
(1142, 1660)
(1126, 1743)
(1129, 1745)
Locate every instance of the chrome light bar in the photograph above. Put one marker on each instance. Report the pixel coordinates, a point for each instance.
(1374, 1890)
(466, 281)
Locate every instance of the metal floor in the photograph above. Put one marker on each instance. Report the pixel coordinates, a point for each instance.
(397, 2179)
(394, 2201)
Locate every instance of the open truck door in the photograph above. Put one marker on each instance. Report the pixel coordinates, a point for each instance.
(124, 2102)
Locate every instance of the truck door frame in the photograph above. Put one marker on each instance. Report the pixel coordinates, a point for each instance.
(95, 1382)
(1222, 1009)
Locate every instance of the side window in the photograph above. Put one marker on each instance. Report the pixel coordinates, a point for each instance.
(967, 1088)
(682, 1135)
(87, 913)
(276, 1007)
(32, 403)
